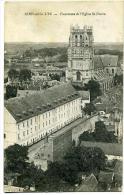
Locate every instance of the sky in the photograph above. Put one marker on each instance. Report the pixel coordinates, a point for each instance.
(105, 17)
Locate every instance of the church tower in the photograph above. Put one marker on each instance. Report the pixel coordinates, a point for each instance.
(80, 54)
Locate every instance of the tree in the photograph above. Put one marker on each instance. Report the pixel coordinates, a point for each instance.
(13, 74)
(86, 136)
(31, 176)
(89, 108)
(63, 57)
(101, 133)
(93, 159)
(94, 88)
(25, 75)
(16, 157)
(83, 159)
(11, 91)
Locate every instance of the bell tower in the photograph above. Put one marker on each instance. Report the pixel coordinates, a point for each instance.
(80, 54)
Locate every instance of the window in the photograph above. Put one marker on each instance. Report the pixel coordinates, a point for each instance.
(35, 128)
(112, 70)
(27, 123)
(107, 70)
(31, 121)
(49, 114)
(27, 132)
(46, 115)
(49, 122)
(78, 75)
(35, 119)
(23, 133)
(4, 136)
(18, 127)
(23, 124)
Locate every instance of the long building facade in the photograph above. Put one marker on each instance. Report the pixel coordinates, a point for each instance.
(29, 119)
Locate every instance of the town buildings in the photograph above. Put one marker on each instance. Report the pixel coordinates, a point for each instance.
(30, 118)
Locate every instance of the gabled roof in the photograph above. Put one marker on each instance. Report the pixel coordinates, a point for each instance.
(88, 185)
(31, 105)
(109, 60)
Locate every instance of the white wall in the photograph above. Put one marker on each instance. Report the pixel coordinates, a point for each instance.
(10, 129)
(31, 130)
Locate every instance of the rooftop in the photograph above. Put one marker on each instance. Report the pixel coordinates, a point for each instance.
(98, 62)
(100, 107)
(85, 95)
(89, 185)
(109, 60)
(118, 168)
(31, 105)
(118, 171)
(106, 176)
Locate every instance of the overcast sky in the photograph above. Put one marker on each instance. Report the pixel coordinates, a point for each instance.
(107, 27)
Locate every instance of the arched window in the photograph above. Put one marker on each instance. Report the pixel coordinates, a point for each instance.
(112, 71)
(78, 74)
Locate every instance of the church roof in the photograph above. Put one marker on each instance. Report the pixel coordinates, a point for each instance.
(101, 75)
(98, 62)
(109, 60)
(31, 105)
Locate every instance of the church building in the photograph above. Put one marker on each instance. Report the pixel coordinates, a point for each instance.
(84, 65)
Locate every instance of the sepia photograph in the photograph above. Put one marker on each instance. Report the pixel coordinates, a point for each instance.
(63, 96)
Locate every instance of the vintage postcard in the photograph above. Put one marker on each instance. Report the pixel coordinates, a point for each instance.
(63, 96)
